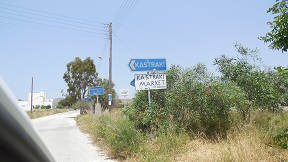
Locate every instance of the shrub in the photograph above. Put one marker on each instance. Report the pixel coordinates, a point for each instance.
(83, 106)
(281, 139)
(262, 87)
(204, 107)
(195, 101)
(119, 133)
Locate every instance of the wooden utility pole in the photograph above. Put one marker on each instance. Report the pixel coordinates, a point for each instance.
(32, 95)
(110, 69)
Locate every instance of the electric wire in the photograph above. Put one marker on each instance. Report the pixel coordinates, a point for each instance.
(126, 15)
(119, 12)
(122, 14)
(53, 30)
(53, 17)
(67, 23)
(104, 49)
(53, 21)
(123, 43)
(51, 25)
(48, 20)
(51, 13)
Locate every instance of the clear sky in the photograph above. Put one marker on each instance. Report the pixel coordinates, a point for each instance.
(38, 38)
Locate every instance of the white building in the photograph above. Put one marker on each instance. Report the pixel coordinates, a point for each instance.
(38, 99)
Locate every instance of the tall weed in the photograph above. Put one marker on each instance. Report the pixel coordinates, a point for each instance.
(115, 131)
(163, 147)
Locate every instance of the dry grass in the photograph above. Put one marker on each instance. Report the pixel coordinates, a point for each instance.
(112, 132)
(45, 112)
(161, 149)
(242, 146)
(245, 144)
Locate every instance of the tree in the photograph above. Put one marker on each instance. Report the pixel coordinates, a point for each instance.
(282, 82)
(83, 106)
(80, 75)
(259, 85)
(103, 99)
(278, 36)
(66, 102)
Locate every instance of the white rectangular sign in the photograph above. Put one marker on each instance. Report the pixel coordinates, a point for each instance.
(124, 92)
(150, 81)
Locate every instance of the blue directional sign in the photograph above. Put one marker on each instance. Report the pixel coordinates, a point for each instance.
(87, 100)
(98, 90)
(132, 83)
(147, 64)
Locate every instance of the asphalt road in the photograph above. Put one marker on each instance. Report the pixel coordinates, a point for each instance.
(65, 141)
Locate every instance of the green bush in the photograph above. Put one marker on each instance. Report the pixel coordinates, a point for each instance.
(264, 88)
(194, 101)
(119, 133)
(281, 139)
(83, 106)
(204, 107)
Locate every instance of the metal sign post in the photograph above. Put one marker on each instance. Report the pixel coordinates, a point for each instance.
(124, 92)
(149, 97)
(96, 91)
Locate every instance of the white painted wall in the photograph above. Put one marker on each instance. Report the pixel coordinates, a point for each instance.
(38, 99)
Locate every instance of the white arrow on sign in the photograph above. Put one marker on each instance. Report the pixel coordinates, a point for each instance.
(132, 65)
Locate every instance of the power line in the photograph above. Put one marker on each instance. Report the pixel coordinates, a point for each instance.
(119, 12)
(126, 14)
(53, 14)
(52, 21)
(52, 30)
(53, 17)
(123, 43)
(123, 13)
(51, 25)
(104, 49)
(44, 18)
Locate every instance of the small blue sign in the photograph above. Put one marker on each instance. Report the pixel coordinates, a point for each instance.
(132, 83)
(147, 64)
(87, 100)
(109, 97)
(98, 90)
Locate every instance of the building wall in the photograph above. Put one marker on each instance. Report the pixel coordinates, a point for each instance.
(26, 105)
(38, 99)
